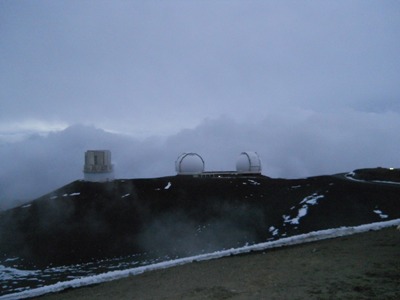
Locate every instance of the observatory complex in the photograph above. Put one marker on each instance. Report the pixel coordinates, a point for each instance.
(248, 163)
(98, 166)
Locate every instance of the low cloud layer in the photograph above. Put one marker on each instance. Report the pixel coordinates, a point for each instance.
(154, 67)
(291, 145)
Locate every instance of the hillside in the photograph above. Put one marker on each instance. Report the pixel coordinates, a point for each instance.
(182, 215)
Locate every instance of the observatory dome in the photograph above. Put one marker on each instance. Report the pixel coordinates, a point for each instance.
(248, 162)
(189, 163)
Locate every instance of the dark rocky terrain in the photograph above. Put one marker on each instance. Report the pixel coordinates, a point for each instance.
(185, 215)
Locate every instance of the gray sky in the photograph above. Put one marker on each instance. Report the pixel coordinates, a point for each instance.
(313, 86)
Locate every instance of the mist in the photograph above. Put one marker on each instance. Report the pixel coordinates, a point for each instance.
(291, 145)
(313, 87)
(155, 68)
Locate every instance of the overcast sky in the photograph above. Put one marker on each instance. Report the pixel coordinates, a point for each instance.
(313, 86)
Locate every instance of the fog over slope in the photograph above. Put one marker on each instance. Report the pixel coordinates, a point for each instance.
(290, 147)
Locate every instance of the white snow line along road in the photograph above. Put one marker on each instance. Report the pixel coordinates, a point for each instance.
(113, 275)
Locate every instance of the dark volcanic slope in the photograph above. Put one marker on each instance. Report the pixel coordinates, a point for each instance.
(183, 215)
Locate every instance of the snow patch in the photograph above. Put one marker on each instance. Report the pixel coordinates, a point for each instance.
(26, 206)
(350, 176)
(167, 186)
(307, 201)
(253, 182)
(274, 231)
(381, 214)
(113, 275)
(312, 200)
(11, 259)
(386, 182)
(7, 273)
(123, 196)
(66, 195)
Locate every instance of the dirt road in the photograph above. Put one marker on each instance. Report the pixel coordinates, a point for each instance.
(362, 266)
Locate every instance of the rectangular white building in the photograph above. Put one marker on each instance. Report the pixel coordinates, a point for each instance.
(98, 166)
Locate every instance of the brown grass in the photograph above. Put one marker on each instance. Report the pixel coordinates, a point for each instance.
(362, 266)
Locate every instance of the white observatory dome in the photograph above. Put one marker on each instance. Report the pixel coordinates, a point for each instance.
(248, 162)
(189, 163)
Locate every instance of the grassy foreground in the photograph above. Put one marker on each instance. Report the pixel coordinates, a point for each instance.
(362, 266)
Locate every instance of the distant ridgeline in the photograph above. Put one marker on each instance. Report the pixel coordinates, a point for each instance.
(378, 174)
(186, 215)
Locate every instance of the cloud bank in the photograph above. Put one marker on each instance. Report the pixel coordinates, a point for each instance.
(291, 145)
(154, 67)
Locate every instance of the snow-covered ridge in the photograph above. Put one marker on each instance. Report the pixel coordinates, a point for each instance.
(351, 176)
(113, 275)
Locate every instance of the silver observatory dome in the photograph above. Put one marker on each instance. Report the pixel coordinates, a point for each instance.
(189, 163)
(248, 162)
